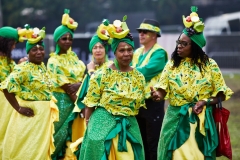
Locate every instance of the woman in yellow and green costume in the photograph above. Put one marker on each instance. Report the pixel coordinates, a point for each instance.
(114, 96)
(193, 83)
(8, 39)
(28, 89)
(98, 47)
(68, 73)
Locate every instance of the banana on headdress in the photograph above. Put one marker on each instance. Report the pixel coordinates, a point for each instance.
(37, 35)
(68, 21)
(103, 29)
(121, 29)
(25, 33)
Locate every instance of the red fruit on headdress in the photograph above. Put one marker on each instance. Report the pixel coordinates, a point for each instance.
(188, 19)
(119, 29)
(34, 36)
(71, 21)
(103, 31)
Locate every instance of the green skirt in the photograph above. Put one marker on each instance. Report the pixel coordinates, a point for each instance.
(100, 127)
(175, 130)
(63, 126)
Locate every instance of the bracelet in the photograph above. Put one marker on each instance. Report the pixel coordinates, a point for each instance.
(209, 100)
(91, 70)
(91, 73)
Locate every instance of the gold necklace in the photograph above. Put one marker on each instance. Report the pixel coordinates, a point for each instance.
(45, 77)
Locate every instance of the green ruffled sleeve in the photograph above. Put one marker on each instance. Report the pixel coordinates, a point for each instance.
(163, 82)
(218, 82)
(155, 64)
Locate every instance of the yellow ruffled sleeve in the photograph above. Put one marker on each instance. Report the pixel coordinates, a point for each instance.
(59, 77)
(13, 82)
(93, 96)
(163, 83)
(218, 82)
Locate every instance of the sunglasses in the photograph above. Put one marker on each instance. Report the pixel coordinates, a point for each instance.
(142, 31)
(182, 43)
(66, 38)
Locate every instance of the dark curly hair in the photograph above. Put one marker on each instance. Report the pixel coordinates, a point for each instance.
(104, 42)
(129, 36)
(6, 47)
(199, 57)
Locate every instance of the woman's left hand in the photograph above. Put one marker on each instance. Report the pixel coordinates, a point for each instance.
(91, 66)
(197, 109)
(73, 88)
(22, 60)
(73, 97)
(155, 94)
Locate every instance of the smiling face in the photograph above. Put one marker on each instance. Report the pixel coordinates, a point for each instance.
(65, 42)
(36, 54)
(184, 46)
(124, 54)
(98, 51)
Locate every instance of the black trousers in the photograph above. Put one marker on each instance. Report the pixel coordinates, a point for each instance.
(150, 124)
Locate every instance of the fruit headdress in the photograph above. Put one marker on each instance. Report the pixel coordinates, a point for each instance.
(194, 27)
(68, 21)
(32, 35)
(35, 37)
(118, 29)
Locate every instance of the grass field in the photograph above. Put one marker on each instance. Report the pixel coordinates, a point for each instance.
(233, 105)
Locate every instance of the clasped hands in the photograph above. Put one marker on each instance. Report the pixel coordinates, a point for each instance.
(155, 94)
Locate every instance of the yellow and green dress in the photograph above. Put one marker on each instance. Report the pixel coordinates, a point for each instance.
(30, 137)
(66, 68)
(6, 67)
(112, 129)
(84, 87)
(185, 135)
(82, 92)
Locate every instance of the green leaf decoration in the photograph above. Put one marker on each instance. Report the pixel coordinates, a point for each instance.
(110, 41)
(27, 26)
(194, 9)
(124, 18)
(67, 11)
(105, 22)
(199, 27)
(44, 28)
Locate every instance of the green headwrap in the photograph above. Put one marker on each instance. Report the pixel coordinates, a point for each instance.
(9, 32)
(198, 38)
(115, 44)
(58, 33)
(29, 46)
(95, 39)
